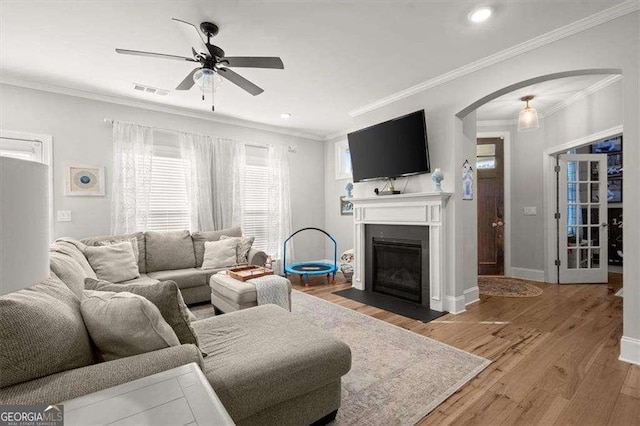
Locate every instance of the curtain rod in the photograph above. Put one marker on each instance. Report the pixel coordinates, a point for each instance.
(290, 148)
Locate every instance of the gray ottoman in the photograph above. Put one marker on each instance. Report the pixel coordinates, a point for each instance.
(229, 294)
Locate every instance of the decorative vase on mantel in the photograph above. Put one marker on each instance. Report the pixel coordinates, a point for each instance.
(437, 177)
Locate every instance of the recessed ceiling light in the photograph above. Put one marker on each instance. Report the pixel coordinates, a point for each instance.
(480, 15)
(286, 115)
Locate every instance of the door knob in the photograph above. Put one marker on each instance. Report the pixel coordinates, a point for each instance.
(494, 224)
(500, 223)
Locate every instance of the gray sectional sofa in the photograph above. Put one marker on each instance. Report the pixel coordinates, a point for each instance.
(267, 365)
(174, 255)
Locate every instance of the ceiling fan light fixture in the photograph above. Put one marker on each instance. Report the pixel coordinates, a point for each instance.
(207, 79)
(528, 117)
(480, 15)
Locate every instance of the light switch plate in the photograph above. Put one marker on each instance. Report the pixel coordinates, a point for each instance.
(64, 216)
(530, 211)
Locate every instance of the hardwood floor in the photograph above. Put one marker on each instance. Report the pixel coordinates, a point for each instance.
(554, 357)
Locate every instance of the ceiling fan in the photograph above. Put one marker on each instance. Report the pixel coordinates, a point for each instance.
(212, 61)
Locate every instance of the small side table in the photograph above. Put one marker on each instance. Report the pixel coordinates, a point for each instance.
(180, 396)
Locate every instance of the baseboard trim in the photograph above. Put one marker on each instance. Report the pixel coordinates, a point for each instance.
(471, 295)
(527, 274)
(630, 350)
(455, 304)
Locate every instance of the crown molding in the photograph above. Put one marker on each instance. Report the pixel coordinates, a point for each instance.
(576, 27)
(151, 106)
(583, 94)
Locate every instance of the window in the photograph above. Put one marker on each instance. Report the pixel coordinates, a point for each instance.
(343, 161)
(169, 207)
(255, 219)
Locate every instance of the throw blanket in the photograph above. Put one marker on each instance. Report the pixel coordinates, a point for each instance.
(272, 289)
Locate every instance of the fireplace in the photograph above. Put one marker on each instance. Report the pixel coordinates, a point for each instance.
(397, 262)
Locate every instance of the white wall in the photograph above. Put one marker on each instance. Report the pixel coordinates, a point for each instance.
(610, 45)
(81, 136)
(340, 227)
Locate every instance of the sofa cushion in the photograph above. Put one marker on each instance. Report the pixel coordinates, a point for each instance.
(169, 250)
(185, 278)
(124, 324)
(220, 254)
(243, 248)
(142, 279)
(74, 249)
(42, 333)
(167, 298)
(139, 236)
(114, 263)
(132, 241)
(200, 237)
(69, 271)
(255, 353)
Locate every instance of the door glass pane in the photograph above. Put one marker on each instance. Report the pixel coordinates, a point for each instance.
(572, 193)
(583, 236)
(572, 258)
(595, 215)
(486, 163)
(595, 192)
(583, 214)
(584, 192)
(584, 258)
(571, 236)
(595, 258)
(595, 170)
(485, 150)
(595, 236)
(583, 171)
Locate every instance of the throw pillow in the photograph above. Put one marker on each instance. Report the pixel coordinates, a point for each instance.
(219, 254)
(165, 295)
(243, 248)
(114, 263)
(124, 324)
(132, 241)
(42, 333)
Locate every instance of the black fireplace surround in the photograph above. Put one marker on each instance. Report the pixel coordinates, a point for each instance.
(397, 262)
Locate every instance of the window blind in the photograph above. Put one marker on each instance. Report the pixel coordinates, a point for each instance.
(255, 218)
(168, 200)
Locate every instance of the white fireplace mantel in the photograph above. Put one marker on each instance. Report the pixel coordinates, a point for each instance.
(423, 209)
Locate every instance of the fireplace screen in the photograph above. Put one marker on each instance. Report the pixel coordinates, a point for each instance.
(397, 268)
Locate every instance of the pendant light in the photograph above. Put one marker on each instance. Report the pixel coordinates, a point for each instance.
(528, 118)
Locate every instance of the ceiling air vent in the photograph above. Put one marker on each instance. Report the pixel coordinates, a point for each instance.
(148, 89)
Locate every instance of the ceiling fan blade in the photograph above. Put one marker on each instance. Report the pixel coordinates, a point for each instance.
(254, 62)
(239, 80)
(193, 35)
(188, 82)
(154, 55)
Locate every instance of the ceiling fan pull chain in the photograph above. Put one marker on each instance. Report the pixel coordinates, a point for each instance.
(213, 85)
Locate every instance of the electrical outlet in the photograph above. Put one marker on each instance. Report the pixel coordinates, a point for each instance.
(530, 211)
(64, 215)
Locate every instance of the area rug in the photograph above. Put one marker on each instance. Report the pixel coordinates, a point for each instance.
(507, 287)
(397, 376)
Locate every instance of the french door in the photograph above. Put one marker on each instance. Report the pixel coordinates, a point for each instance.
(582, 204)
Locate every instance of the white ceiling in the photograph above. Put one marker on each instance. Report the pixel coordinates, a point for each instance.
(547, 94)
(338, 56)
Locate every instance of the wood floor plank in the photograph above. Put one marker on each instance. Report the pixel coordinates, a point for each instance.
(537, 408)
(626, 412)
(631, 385)
(594, 401)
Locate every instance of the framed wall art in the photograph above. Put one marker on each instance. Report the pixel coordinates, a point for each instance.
(82, 180)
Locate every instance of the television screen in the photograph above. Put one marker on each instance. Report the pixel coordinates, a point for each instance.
(394, 148)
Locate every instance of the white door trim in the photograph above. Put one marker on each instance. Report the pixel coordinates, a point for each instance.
(506, 137)
(47, 158)
(549, 194)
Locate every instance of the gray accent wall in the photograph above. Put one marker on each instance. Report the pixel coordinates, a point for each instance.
(80, 136)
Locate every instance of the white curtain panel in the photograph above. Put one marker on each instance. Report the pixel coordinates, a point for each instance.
(229, 158)
(133, 152)
(279, 201)
(198, 154)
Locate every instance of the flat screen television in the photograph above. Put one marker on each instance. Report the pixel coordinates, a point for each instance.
(394, 148)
